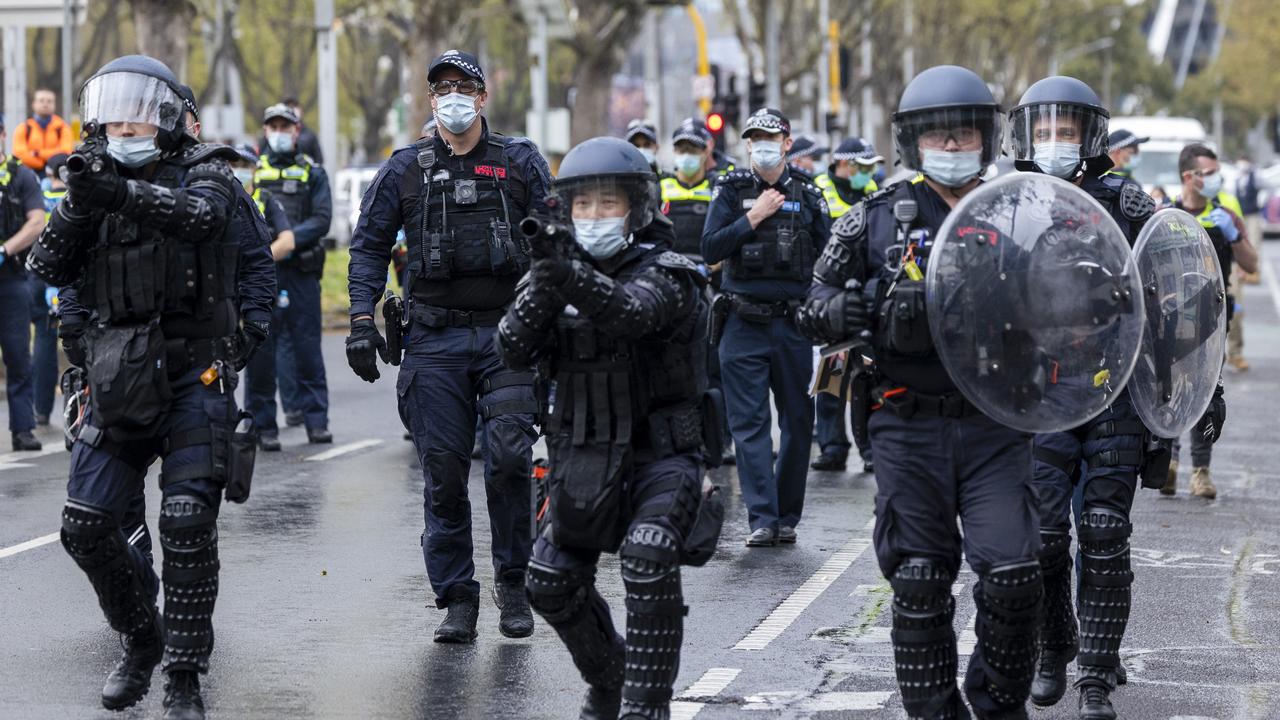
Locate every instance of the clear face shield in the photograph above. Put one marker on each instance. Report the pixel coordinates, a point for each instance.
(1040, 132)
(606, 210)
(962, 129)
(125, 97)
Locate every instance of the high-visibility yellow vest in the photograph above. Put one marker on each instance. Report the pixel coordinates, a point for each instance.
(836, 204)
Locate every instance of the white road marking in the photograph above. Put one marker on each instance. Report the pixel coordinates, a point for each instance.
(712, 683)
(825, 702)
(342, 450)
(1269, 274)
(29, 545)
(786, 613)
(19, 459)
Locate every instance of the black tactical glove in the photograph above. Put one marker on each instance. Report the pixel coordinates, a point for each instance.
(364, 345)
(104, 190)
(1210, 425)
(551, 274)
(843, 317)
(72, 337)
(250, 336)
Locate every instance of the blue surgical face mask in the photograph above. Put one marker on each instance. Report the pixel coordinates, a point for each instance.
(766, 154)
(280, 142)
(456, 112)
(687, 164)
(601, 238)
(951, 169)
(1212, 185)
(133, 152)
(1059, 159)
(244, 175)
(650, 156)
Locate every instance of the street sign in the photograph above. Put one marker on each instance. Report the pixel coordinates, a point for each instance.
(704, 87)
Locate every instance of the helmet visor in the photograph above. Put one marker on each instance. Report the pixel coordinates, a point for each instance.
(960, 128)
(600, 197)
(130, 97)
(1033, 125)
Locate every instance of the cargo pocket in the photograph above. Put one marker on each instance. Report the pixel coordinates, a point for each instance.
(128, 376)
(404, 381)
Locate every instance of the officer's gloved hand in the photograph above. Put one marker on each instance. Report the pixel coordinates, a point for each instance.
(1222, 219)
(250, 336)
(104, 190)
(551, 274)
(72, 337)
(364, 345)
(1210, 425)
(844, 316)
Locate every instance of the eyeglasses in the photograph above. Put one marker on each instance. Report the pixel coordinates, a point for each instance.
(466, 87)
(938, 137)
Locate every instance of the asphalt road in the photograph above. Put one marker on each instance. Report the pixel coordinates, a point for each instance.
(325, 612)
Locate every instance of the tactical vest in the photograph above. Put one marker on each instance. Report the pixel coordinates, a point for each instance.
(12, 216)
(610, 390)
(290, 185)
(687, 209)
(782, 248)
(1220, 244)
(464, 227)
(835, 203)
(137, 274)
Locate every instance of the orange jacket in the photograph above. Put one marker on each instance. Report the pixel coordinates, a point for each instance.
(34, 145)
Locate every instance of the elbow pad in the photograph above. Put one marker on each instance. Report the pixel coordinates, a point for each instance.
(59, 254)
(199, 210)
(522, 330)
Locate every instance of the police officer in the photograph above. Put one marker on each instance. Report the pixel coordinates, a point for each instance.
(1059, 128)
(805, 157)
(302, 188)
(624, 428)
(1219, 213)
(459, 194)
(847, 181)
(936, 456)
(21, 220)
(260, 374)
(147, 210)
(767, 227)
(44, 306)
(1123, 149)
(644, 136)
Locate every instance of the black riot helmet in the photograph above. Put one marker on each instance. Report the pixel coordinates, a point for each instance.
(140, 89)
(1054, 113)
(610, 165)
(945, 98)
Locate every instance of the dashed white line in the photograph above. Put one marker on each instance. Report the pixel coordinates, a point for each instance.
(19, 459)
(29, 545)
(342, 450)
(795, 604)
(712, 683)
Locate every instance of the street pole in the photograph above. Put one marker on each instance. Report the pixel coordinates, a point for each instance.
(704, 64)
(68, 23)
(824, 70)
(653, 71)
(538, 77)
(327, 80)
(772, 80)
(908, 49)
(864, 73)
(1189, 45)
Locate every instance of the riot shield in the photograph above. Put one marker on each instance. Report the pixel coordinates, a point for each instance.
(1186, 326)
(1034, 302)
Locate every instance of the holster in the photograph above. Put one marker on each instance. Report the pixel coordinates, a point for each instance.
(713, 413)
(309, 260)
(393, 319)
(721, 306)
(860, 386)
(1157, 454)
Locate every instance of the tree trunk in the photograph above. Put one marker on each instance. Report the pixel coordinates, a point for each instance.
(163, 27)
(593, 86)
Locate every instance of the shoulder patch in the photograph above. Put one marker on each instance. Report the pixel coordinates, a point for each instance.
(1134, 203)
(202, 152)
(851, 224)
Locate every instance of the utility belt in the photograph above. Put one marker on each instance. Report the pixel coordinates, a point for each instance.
(691, 426)
(761, 312)
(907, 403)
(1152, 459)
(183, 355)
(308, 260)
(437, 317)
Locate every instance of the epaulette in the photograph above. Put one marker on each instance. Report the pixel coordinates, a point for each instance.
(675, 261)
(203, 152)
(735, 177)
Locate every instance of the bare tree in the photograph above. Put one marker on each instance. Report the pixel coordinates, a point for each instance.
(602, 33)
(163, 27)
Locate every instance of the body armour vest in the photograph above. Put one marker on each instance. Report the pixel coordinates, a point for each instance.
(781, 248)
(687, 209)
(290, 185)
(609, 390)
(137, 274)
(464, 225)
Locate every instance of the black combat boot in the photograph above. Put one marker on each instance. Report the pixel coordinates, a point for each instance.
(1058, 641)
(516, 616)
(459, 625)
(1095, 702)
(182, 699)
(131, 679)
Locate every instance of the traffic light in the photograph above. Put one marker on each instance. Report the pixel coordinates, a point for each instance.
(756, 96)
(715, 122)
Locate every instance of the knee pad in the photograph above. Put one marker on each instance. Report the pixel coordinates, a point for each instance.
(187, 524)
(189, 536)
(922, 588)
(651, 551)
(1104, 548)
(1055, 552)
(126, 591)
(1012, 592)
(557, 595)
(87, 535)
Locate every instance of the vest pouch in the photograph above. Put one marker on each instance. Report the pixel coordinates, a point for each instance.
(786, 248)
(700, 543)
(310, 260)
(128, 375)
(505, 255)
(436, 265)
(902, 320)
(585, 490)
(751, 256)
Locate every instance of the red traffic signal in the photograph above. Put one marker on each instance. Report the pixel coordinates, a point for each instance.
(715, 122)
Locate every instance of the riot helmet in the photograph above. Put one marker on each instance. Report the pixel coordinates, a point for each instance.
(947, 125)
(136, 89)
(608, 190)
(1060, 128)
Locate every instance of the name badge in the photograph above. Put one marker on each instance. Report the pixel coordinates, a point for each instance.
(748, 203)
(791, 206)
